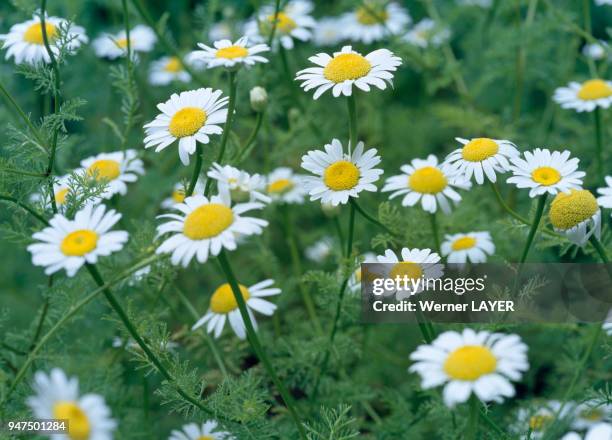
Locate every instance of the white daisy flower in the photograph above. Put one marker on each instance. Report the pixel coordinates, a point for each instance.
(605, 200)
(576, 215)
(482, 157)
(340, 175)
(112, 46)
(374, 21)
(354, 284)
(60, 191)
(428, 182)
(585, 97)
(414, 264)
(115, 169)
(292, 22)
(284, 186)
(538, 419)
(603, 2)
(472, 246)
(178, 194)
(223, 306)
(25, 43)
(57, 397)
(328, 32)
(239, 185)
(206, 431)
(596, 51)
(229, 55)
(139, 275)
(544, 172)
(600, 431)
(68, 244)
(426, 32)
(167, 70)
(347, 68)
(205, 226)
(189, 118)
(481, 362)
(590, 413)
(320, 250)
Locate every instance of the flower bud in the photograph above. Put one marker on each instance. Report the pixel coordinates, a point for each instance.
(259, 98)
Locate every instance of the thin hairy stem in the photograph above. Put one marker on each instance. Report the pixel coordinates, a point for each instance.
(534, 226)
(250, 142)
(197, 169)
(25, 207)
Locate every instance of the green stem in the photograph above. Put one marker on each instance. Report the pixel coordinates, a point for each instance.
(273, 30)
(504, 206)
(369, 217)
(472, 426)
(425, 326)
(256, 345)
(434, 231)
(586, 9)
(130, 71)
(250, 142)
(23, 116)
(600, 249)
(22, 173)
(599, 153)
(41, 321)
(197, 168)
(352, 111)
(534, 226)
(25, 207)
(339, 231)
(228, 125)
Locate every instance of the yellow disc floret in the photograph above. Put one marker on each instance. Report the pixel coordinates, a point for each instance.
(104, 169)
(121, 43)
(346, 66)
(464, 243)
(34, 34)
(187, 122)
(205, 437)
(224, 301)
(284, 23)
(479, 149)
(427, 180)
(232, 52)
(280, 186)
(539, 421)
(78, 423)
(173, 65)
(368, 15)
(208, 221)
(470, 362)
(570, 209)
(60, 196)
(178, 195)
(406, 268)
(594, 89)
(546, 176)
(341, 175)
(79, 243)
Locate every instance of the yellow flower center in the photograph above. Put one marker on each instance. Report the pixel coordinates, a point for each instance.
(341, 175)
(224, 301)
(464, 243)
(284, 23)
(470, 362)
(232, 52)
(205, 437)
(104, 169)
(570, 209)
(427, 180)
(208, 221)
(592, 414)
(539, 421)
(78, 423)
(34, 34)
(406, 268)
(545, 176)
(121, 43)
(79, 243)
(479, 149)
(369, 15)
(594, 89)
(346, 66)
(187, 121)
(173, 65)
(60, 196)
(178, 195)
(280, 186)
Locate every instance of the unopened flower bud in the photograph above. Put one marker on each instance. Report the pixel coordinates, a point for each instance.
(259, 98)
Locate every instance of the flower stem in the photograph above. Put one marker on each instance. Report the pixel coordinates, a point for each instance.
(23, 116)
(228, 125)
(256, 345)
(352, 111)
(534, 226)
(434, 231)
(505, 207)
(250, 142)
(25, 207)
(196, 170)
(273, 30)
(472, 426)
(369, 217)
(599, 144)
(130, 73)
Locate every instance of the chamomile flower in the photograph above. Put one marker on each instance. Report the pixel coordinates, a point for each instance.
(544, 172)
(25, 42)
(223, 306)
(480, 157)
(585, 97)
(207, 431)
(472, 246)
(68, 244)
(166, 70)
(205, 226)
(238, 184)
(339, 175)
(469, 362)
(189, 118)
(354, 284)
(283, 185)
(576, 215)
(328, 32)
(537, 419)
(605, 199)
(414, 263)
(229, 55)
(61, 189)
(115, 169)
(346, 69)
(178, 194)
(590, 413)
(600, 431)
(373, 21)
(320, 250)
(293, 22)
(57, 397)
(425, 33)
(427, 182)
(112, 46)
(596, 51)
